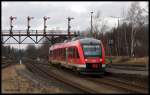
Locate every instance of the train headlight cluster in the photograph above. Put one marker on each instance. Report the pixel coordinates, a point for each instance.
(100, 60)
(103, 65)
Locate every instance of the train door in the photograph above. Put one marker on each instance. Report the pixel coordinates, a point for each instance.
(71, 55)
(66, 55)
(77, 56)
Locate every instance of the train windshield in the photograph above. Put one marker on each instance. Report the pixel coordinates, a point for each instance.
(92, 50)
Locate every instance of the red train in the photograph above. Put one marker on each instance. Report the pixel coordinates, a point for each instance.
(85, 55)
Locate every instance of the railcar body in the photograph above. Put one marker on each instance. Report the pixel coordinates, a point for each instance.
(85, 55)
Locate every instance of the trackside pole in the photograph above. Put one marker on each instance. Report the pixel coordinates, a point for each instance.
(110, 46)
(20, 61)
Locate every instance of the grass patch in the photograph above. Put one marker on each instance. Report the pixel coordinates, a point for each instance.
(128, 60)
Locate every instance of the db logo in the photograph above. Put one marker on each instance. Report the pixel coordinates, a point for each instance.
(93, 60)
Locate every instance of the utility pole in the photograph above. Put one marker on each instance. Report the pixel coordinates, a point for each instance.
(91, 24)
(118, 22)
(110, 45)
(45, 18)
(28, 24)
(11, 24)
(69, 27)
(118, 40)
(126, 44)
(118, 19)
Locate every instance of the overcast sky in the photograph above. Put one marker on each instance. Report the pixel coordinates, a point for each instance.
(59, 11)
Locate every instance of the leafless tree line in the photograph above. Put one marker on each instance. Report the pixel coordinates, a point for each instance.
(130, 36)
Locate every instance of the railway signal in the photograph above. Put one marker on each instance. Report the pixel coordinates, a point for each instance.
(110, 45)
(51, 35)
(11, 24)
(69, 27)
(91, 24)
(45, 18)
(28, 24)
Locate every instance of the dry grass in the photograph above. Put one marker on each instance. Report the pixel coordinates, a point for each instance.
(128, 60)
(14, 83)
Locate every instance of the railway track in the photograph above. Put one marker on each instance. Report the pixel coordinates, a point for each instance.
(111, 82)
(135, 67)
(4, 65)
(7, 63)
(121, 84)
(61, 79)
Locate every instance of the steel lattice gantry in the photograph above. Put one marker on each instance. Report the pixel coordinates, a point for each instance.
(52, 35)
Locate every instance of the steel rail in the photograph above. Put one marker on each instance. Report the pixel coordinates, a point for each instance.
(128, 87)
(64, 80)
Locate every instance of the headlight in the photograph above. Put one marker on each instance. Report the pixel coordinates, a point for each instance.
(100, 60)
(103, 65)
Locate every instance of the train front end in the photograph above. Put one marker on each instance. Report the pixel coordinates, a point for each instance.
(93, 56)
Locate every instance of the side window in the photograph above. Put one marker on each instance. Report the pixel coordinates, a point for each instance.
(56, 52)
(53, 52)
(50, 52)
(76, 53)
(60, 52)
(64, 52)
(73, 52)
(70, 52)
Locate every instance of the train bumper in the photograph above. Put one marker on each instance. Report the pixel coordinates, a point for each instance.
(93, 71)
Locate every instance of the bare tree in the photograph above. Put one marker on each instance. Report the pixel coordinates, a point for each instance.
(96, 23)
(43, 50)
(103, 27)
(135, 17)
(31, 52)
(145, 9)
(124, 26)
(99, 25)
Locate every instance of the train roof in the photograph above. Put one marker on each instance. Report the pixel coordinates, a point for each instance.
(89, 41)
(75, 40)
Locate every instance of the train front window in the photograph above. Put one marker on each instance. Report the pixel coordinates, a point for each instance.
(92, 50)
